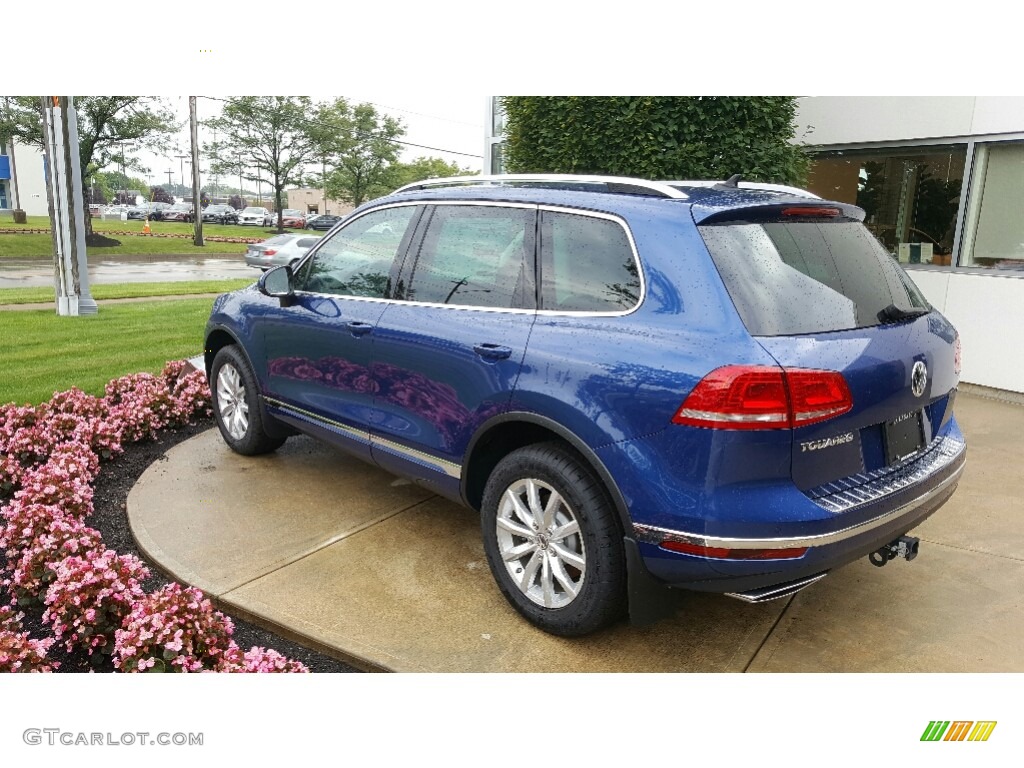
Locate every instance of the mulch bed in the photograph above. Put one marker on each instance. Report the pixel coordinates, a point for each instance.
(110, 518)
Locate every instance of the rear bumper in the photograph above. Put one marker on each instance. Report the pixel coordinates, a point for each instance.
(890, 507)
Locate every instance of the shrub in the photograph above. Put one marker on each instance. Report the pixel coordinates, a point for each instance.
(33, 571)
(173, 630)
(258, 659)
(18, 651)
(90, 597)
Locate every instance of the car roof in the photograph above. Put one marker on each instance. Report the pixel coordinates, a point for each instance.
(620, 195)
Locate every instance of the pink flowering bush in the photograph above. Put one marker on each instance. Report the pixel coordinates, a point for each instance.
(90, 597)
(49, 457)
(58, 484)
(258, 659)
(34, 570)
(174, 629)
(18, 651)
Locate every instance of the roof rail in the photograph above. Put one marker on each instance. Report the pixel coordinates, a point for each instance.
(665, 189)
(747, 185)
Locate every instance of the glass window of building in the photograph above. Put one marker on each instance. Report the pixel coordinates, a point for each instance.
(910, 195)
(994, 228)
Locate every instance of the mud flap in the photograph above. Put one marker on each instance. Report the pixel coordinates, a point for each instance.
(649, 599)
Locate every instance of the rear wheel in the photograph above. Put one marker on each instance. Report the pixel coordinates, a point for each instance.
(553, 541)
(236, 405)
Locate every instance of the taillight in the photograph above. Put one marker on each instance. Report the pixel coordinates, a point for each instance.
(269, 252)
(956, 354)
(764, 397)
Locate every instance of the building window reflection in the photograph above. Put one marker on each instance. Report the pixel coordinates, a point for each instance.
(910, 195)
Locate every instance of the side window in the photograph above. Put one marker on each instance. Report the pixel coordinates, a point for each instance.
(587, 265)
(357, 260)
(476, 255)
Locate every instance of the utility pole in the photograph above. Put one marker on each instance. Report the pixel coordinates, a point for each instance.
(170, 183)
(197, 211)
(181, 160)
(71, 268)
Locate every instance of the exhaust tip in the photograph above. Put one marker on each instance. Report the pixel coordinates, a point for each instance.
(776, 591)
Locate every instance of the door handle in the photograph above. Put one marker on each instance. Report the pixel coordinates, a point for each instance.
(492, 351)
(358, 328)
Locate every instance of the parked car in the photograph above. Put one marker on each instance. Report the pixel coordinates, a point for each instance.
(323, 222)
(310, 217)
(179, 212)
(703, 385)
(254, 215)
(220, 214)
(292, 218)
(278, 250)
(152, 211)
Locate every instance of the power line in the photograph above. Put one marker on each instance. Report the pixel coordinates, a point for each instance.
(309, 121)
(423, 114)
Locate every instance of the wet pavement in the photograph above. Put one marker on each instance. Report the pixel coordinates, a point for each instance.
(374, 570)
(38, 273)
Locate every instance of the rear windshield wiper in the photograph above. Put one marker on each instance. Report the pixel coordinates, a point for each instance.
(893, 314)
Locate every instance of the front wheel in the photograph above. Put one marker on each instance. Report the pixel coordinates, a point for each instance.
(236, 405)
(553, 541)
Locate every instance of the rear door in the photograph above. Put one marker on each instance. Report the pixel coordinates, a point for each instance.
(822, 293)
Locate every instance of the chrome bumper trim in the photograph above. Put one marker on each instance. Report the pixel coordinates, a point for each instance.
(653, 535)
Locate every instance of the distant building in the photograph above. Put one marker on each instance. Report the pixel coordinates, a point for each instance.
(28, 190)
(310, 200)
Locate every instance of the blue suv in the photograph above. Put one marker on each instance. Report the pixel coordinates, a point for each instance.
(715, 386)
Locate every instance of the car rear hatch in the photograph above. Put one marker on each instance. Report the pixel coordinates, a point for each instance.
(823, 297)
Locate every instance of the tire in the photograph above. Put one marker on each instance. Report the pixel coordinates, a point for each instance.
(236, 405)
(570, 578)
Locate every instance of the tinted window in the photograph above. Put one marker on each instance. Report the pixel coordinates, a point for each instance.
(476, 255)
(587, 264)
(791, 278)
(357, 260)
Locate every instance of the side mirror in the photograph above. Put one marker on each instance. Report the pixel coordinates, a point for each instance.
(277, 282)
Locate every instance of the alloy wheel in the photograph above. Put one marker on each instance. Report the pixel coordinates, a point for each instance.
(540, 543)
(231, 403)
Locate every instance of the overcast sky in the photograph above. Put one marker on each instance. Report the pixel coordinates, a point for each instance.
(451, 125)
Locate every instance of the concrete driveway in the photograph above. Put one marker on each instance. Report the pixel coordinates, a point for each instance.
(379, 572)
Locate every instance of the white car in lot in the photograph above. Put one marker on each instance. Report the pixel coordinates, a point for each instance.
(280, 249)
(259, 217)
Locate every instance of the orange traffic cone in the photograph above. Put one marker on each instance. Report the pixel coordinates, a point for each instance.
(145, 228)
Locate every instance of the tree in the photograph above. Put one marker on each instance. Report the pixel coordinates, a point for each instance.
(423, 168)
(97, 195)
(272, 133)
(356, 145)
(655, 137)
(105, 125)
(237, 202)
(160, 195)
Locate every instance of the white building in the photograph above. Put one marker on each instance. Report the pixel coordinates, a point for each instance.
(942, 182)
(29, 190)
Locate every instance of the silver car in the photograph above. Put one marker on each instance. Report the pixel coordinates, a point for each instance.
(278, 250)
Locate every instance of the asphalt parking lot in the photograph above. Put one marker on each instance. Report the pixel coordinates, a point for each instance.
(381, 573)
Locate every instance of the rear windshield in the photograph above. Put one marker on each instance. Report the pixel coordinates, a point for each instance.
(803, 277)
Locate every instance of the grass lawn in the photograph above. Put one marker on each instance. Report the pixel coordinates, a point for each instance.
(41, 246)
(126, 290)
(179, 227)
(44, 353)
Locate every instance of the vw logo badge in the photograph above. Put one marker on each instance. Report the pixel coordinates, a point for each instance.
(918, 378)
